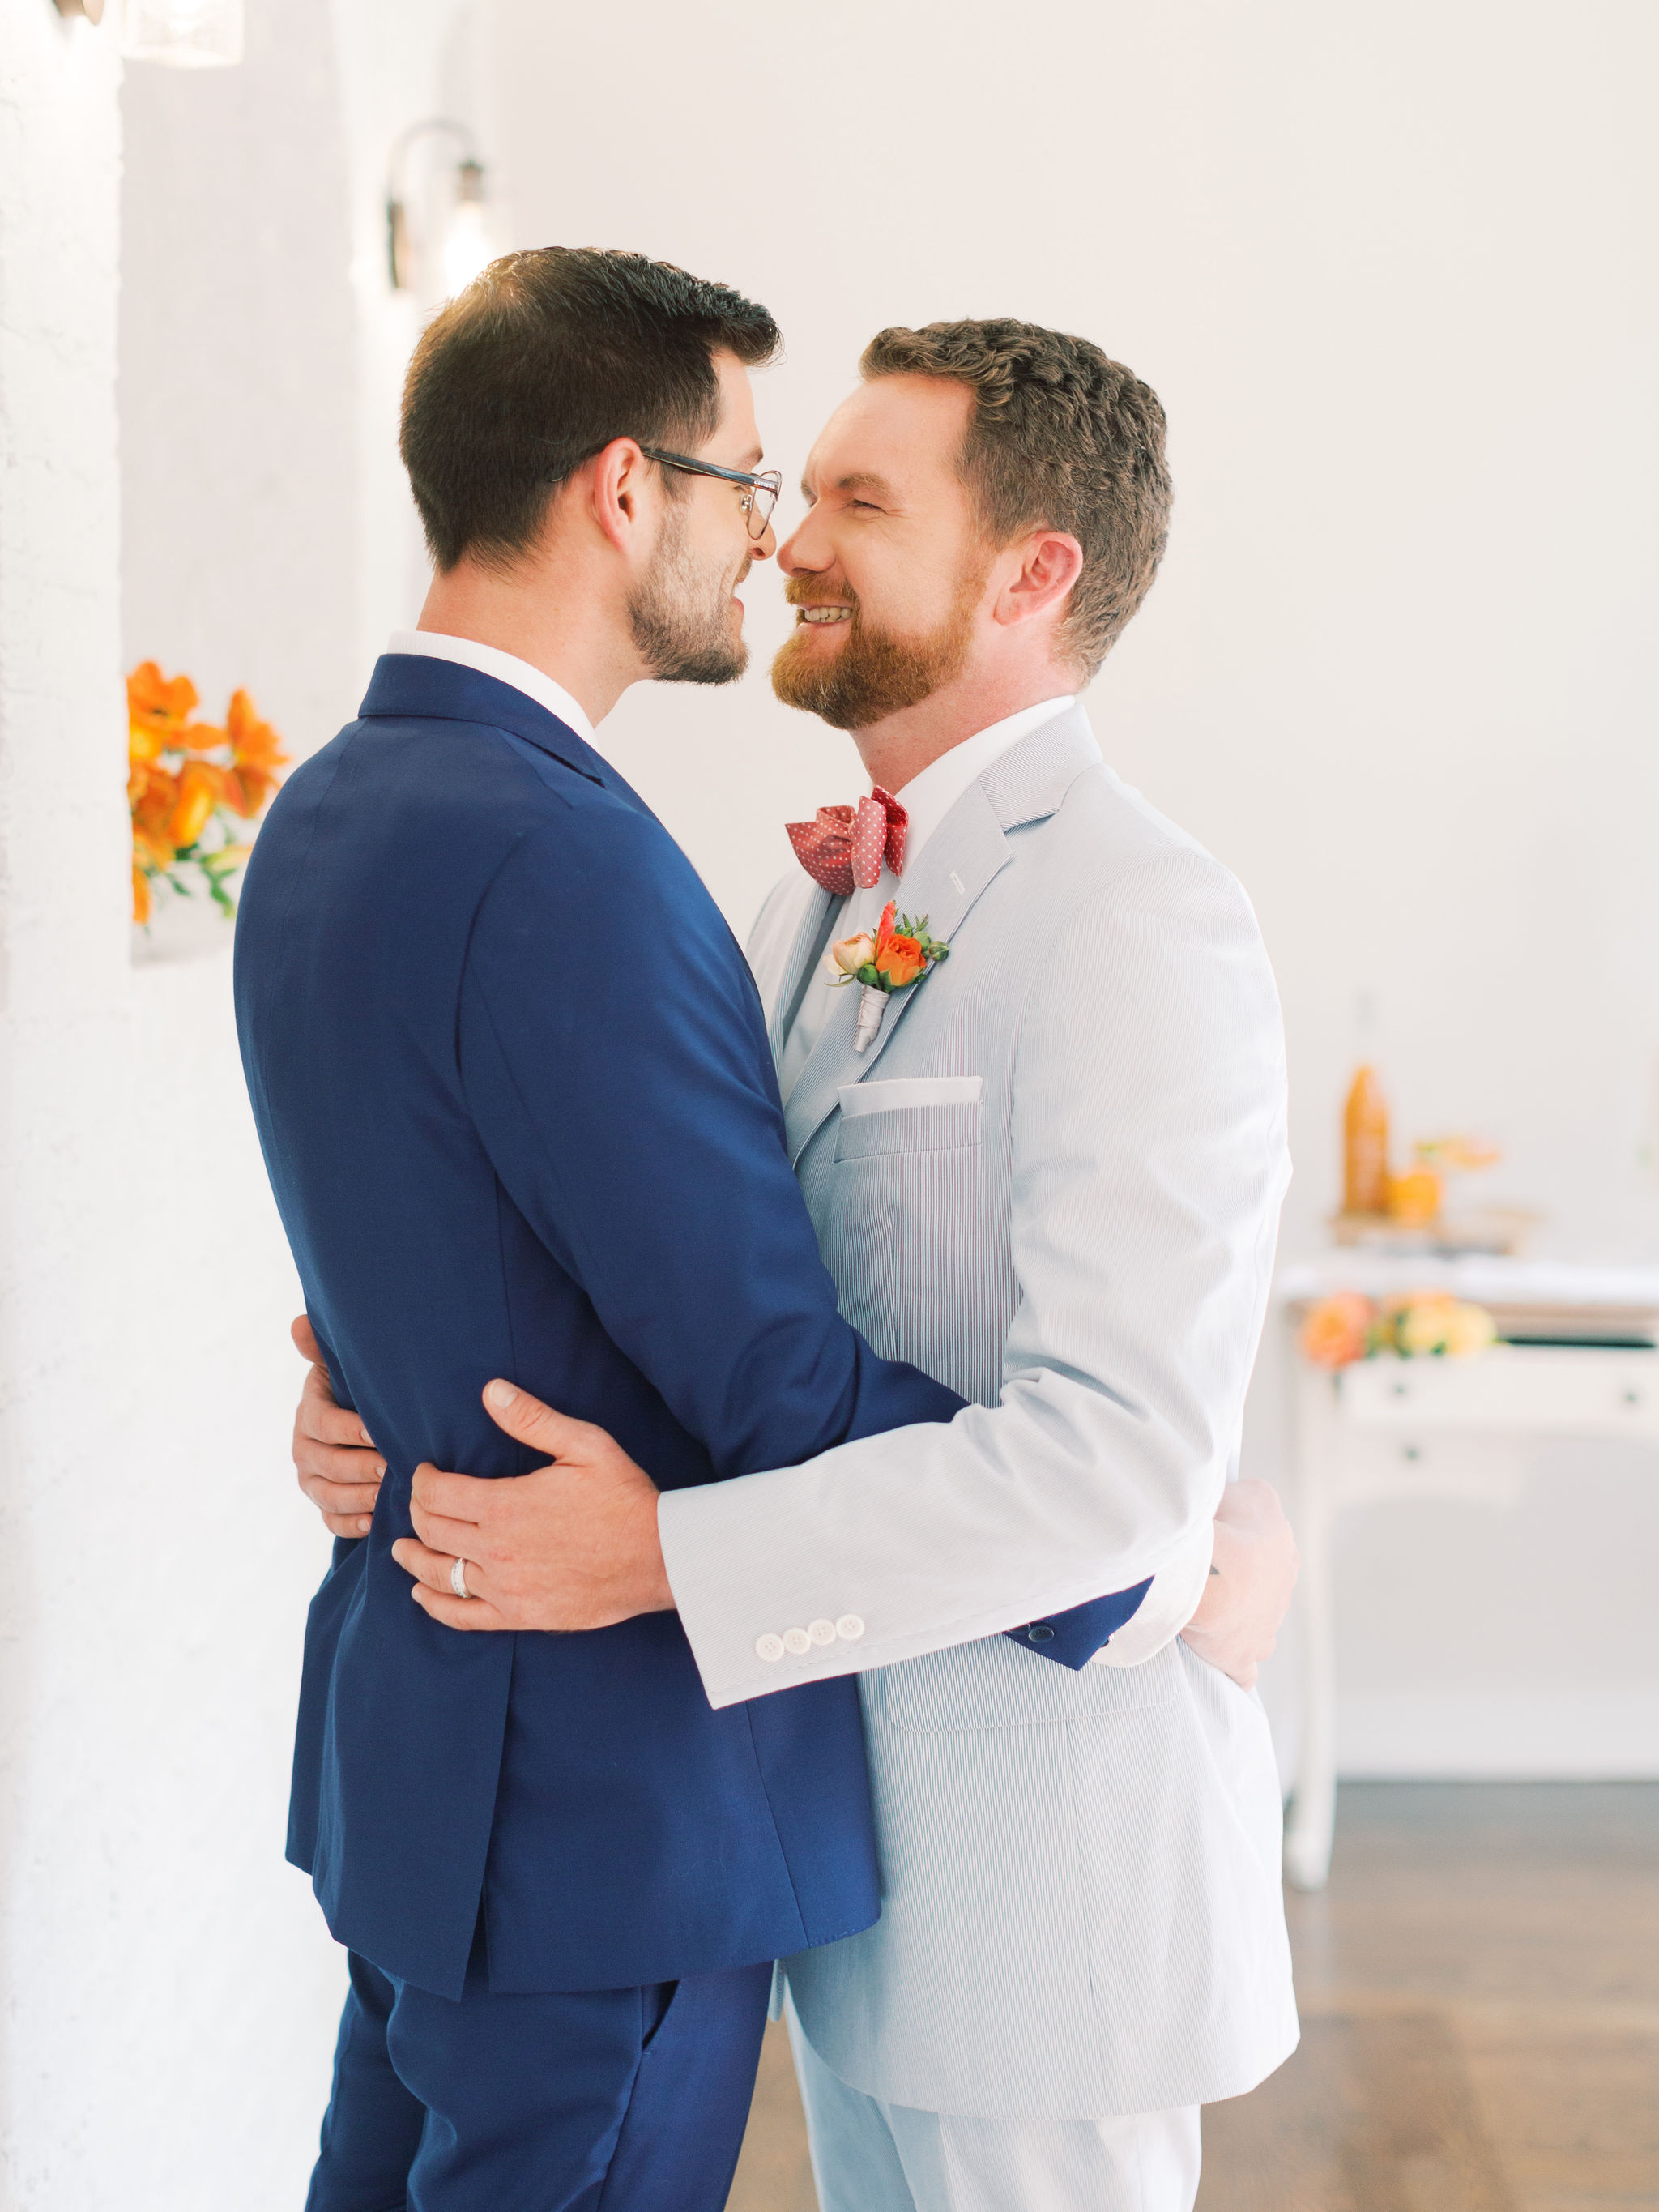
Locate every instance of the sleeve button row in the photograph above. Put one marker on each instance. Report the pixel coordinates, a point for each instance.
(796, 1641)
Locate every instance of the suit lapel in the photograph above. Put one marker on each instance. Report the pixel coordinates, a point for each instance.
(781, 987)
(965, 853)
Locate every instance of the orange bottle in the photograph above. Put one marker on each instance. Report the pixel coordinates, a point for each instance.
(1365, 1146)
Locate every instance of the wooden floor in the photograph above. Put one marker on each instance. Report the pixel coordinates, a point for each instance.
(1480, 1998)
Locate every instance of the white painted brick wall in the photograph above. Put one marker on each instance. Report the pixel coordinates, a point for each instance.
(169, 1990)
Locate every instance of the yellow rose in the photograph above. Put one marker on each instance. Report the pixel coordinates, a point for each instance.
(1438, 1322)
(1470, 1329)
(1423, 1323)
(850, 954)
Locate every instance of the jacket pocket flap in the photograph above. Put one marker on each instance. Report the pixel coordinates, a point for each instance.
(915, 1129)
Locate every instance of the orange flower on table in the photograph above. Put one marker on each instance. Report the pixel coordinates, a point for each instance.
(1338, 1330)
(1431, 1323)
(140, 893)
(255, 754)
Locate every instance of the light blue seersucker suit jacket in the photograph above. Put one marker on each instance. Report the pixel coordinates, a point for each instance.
(1064, 1206)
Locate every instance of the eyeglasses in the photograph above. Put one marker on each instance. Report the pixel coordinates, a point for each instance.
(762, 489)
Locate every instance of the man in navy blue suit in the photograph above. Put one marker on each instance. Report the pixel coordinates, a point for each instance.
(512, 1079)
(513, 1082)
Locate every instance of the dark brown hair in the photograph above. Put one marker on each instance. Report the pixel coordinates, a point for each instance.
(539, 364)
(1059, 437)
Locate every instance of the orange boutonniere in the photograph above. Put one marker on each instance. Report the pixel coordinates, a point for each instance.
(896, 957)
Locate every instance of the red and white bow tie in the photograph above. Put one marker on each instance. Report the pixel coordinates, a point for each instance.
(843, 850)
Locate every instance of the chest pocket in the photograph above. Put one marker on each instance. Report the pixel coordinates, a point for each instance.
(925, 1114)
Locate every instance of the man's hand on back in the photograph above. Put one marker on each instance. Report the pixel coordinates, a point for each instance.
(572, 1545)
(1252, 1573)
(334, 1455)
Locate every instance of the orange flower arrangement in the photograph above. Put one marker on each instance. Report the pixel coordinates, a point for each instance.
(1424, 1324)
(189, 783)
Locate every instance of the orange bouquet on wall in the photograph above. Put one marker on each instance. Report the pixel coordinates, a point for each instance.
(191, 785)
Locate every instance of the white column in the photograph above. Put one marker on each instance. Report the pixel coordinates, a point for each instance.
(63, 902)
(169, 1988)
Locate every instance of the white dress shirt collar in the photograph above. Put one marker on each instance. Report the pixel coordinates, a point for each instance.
(505, 667)
(929, 797)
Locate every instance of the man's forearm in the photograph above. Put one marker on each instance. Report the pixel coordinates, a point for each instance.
(935, 1536)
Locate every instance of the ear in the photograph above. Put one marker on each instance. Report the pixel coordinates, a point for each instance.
(616, 497)
(1049, 563)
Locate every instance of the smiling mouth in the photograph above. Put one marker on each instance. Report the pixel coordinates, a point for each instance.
(824, 614)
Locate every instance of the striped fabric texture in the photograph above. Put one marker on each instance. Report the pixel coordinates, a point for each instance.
(1082, 1913)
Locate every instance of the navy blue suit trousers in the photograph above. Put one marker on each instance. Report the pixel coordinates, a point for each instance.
(607, 2100)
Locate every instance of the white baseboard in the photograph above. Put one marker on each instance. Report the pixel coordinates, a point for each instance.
(1592, 1737)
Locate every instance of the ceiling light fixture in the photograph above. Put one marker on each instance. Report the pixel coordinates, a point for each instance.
(185, 34)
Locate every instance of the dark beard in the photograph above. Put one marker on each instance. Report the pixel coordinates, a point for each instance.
(681, 630)
(875, 675)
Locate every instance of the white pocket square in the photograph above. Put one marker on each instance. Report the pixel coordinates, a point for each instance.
(858, 1098)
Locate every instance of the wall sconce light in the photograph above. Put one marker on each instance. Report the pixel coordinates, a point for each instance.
(187, 34)
(92, 9)
(456, 242)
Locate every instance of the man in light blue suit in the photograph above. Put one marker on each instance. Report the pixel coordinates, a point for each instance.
(512, 1079)
(1052, 1180)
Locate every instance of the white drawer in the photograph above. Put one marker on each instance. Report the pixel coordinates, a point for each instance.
(1570, 1389)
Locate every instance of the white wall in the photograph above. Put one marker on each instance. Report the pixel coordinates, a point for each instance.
(170, 1989)
(1387, 270)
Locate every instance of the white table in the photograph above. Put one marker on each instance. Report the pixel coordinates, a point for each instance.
(1380, 1429)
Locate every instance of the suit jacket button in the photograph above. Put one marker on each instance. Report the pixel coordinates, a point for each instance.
(769, 1648)
(796, 1640)
(1040, 1632)
(849, 1626)
(821, 1631)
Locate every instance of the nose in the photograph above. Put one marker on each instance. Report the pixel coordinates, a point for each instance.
(763, 547)
(795, 554)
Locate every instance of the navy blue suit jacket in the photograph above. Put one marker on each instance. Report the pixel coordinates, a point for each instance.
(511, 1076)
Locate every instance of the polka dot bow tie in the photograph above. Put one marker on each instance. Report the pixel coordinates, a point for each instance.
(844, 850)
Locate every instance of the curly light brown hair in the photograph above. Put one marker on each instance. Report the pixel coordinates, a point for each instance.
(1060, 438)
